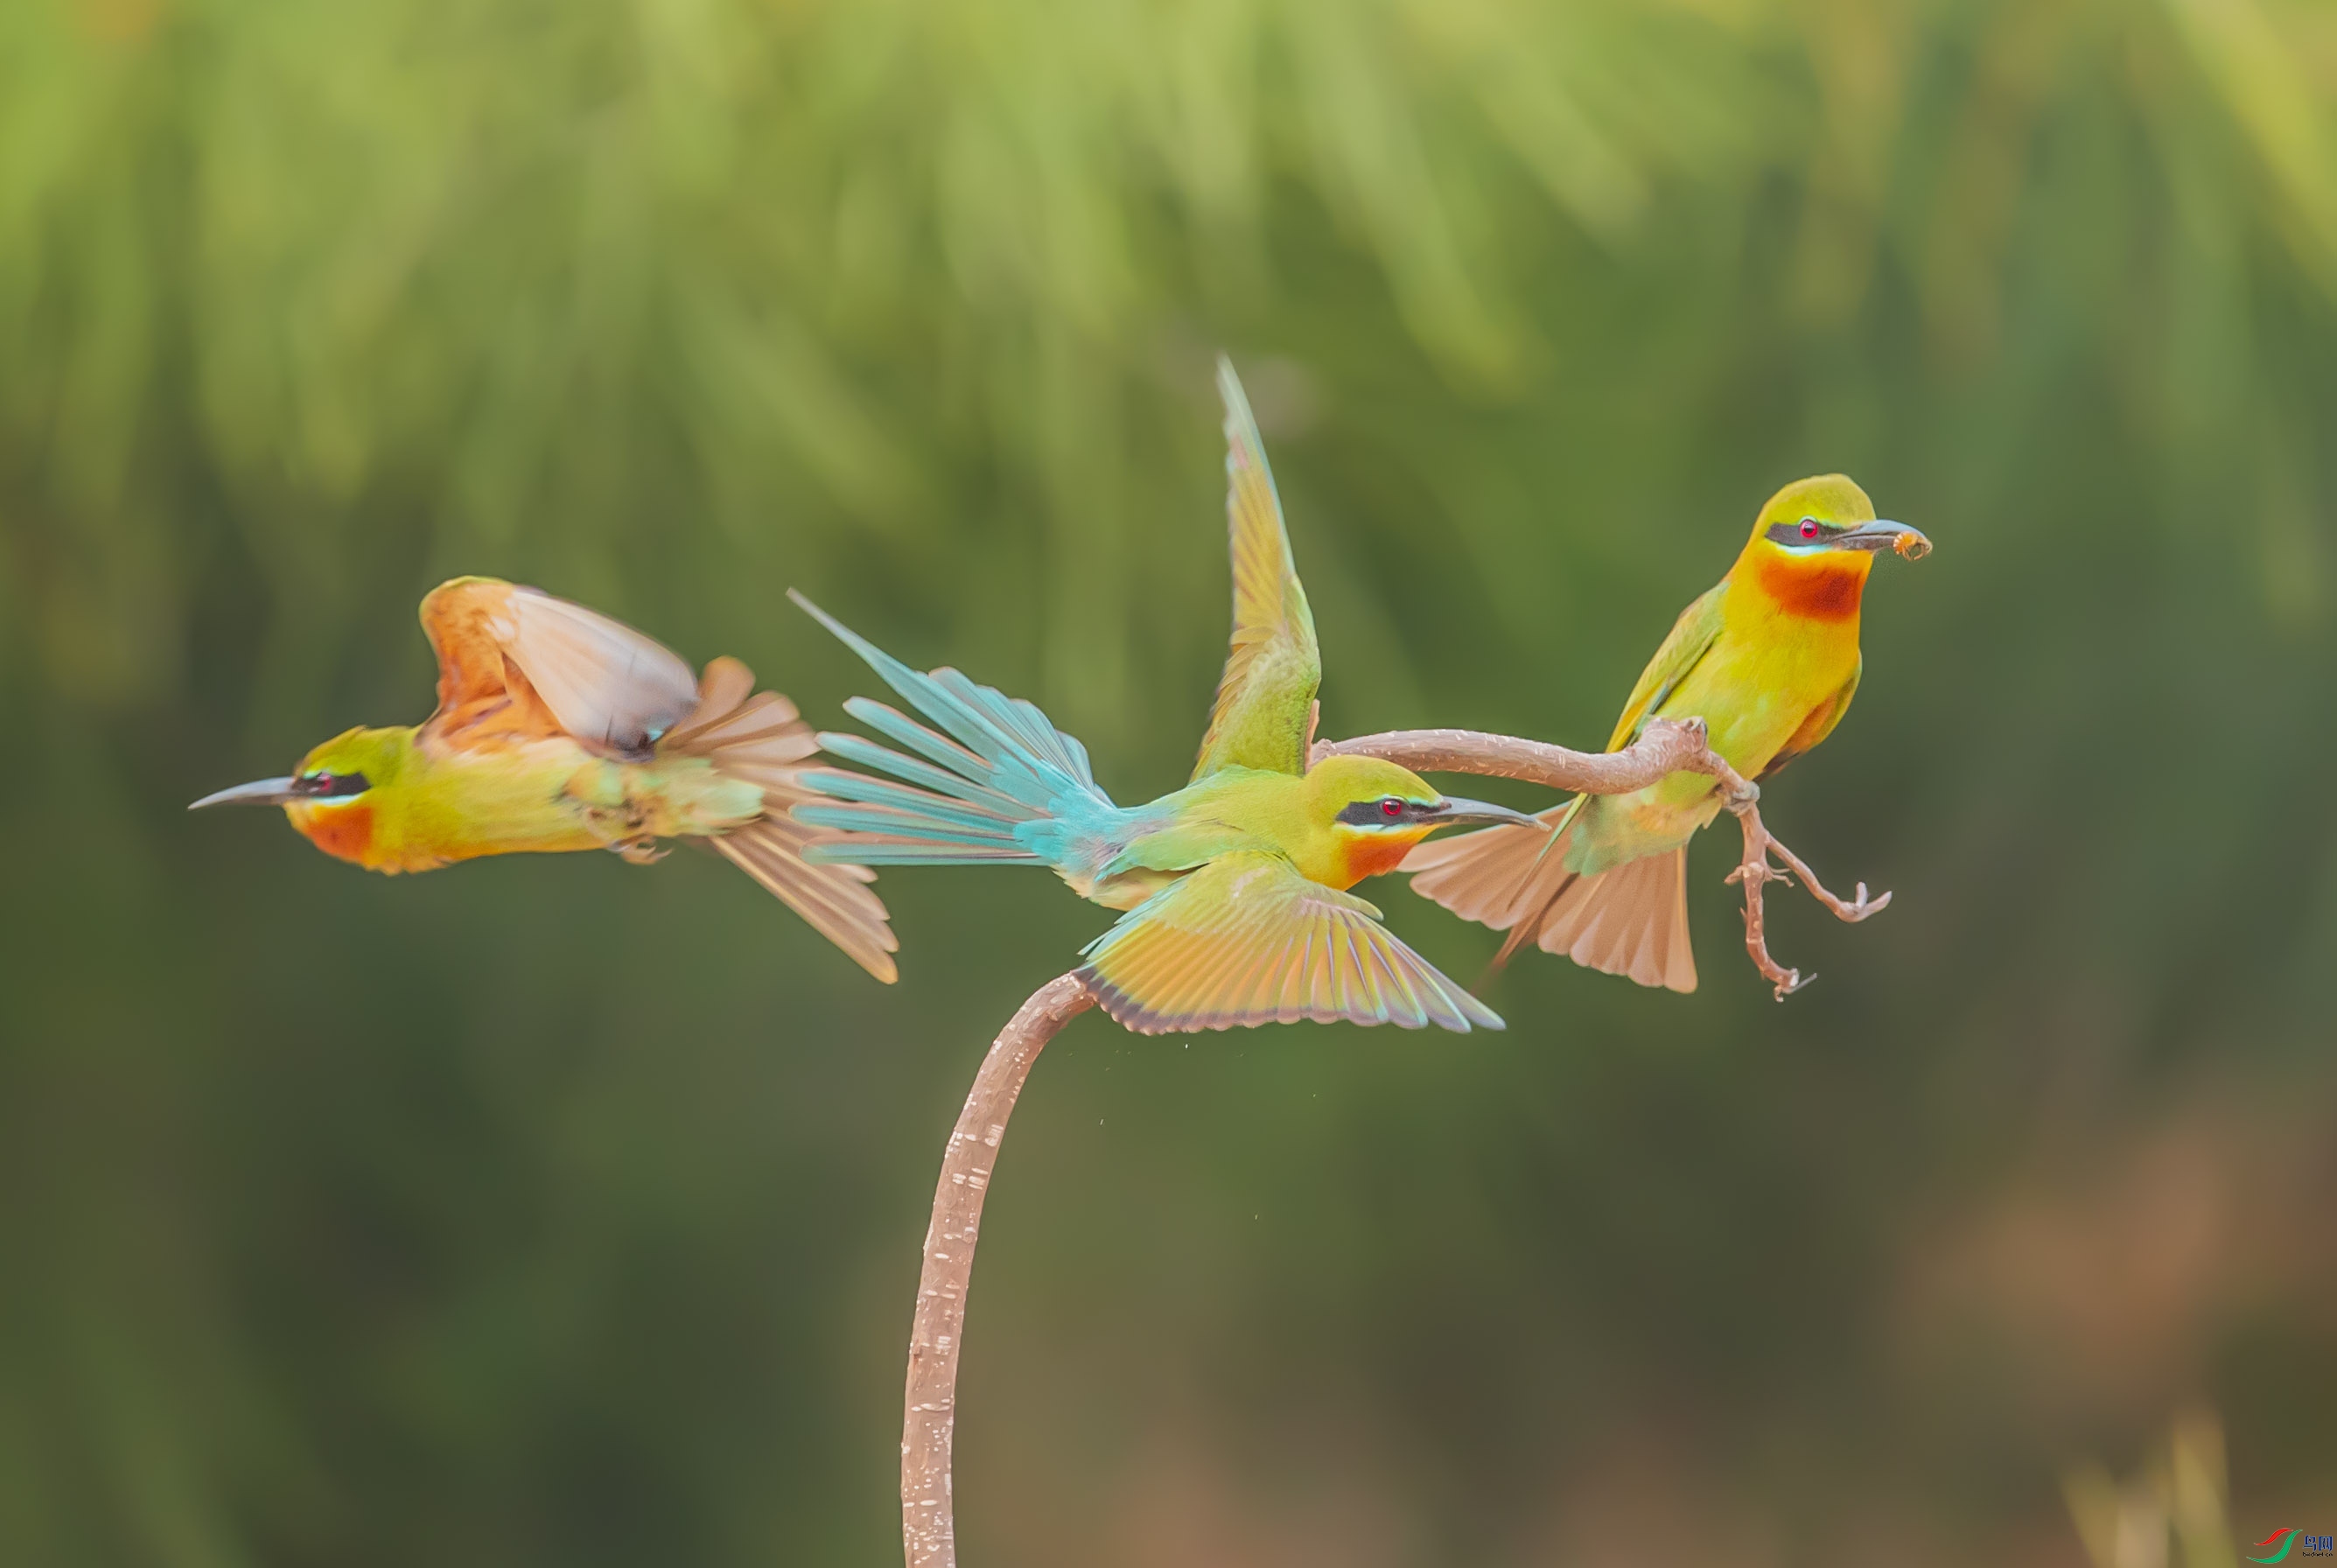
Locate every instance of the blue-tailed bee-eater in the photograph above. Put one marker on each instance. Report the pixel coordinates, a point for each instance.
(559, 729)
(1235, 886)
(1769, 658)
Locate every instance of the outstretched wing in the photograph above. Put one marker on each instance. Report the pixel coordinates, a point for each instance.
(513, 660)
(1260, 717)
(1246, 939)
(1692, 637)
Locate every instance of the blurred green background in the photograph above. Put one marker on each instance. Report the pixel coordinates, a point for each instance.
(556, 1211)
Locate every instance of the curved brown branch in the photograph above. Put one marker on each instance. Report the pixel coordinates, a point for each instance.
(1665, 746)
(929, 1403)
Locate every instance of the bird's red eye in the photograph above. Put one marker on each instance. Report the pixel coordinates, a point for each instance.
(1809, 528)
(1391, 807)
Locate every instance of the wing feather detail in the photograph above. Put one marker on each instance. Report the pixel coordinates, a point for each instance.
(1684, 647)
(1246, 940)
(517, 660)
(1273, 667)
(606, 683)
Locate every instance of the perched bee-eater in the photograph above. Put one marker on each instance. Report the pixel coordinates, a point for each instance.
(1236, 884)
(1769, 658)
(559, 728)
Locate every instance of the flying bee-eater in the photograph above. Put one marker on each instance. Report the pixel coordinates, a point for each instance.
(1234, 887)
(559, 728)
(1769, 658)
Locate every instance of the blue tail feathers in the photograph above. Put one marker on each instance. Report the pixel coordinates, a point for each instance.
(1002, 784)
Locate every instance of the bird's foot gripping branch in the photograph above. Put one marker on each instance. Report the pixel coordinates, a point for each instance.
(1666, 746)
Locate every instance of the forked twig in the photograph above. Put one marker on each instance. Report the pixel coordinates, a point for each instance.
(1666, 746)
(929, 1402)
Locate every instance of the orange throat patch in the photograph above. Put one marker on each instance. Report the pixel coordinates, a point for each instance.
(1376, 854)
(345, 832)
(1822, 589)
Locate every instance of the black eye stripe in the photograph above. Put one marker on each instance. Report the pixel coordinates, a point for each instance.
(1373, 812)
(328, 786)
(1791, 533)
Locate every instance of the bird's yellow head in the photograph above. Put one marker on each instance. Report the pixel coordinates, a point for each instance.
(334, 799)
(1814, 543)
(1375, 811)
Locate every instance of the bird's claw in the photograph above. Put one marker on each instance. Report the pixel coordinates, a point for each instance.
(643, 851)
(1793, 981)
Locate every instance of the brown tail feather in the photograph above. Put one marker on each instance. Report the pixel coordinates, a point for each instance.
(761, 739)
(838, 908)
(1526, 930)
(1631, 920)
(1489, 875)
(726, 683)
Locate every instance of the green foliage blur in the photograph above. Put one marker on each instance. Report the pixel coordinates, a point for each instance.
(556, 1212)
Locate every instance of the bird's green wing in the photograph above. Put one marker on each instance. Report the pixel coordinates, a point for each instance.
(1266, 694)
(1246, 939)
(1819, 724)
(1692, 637)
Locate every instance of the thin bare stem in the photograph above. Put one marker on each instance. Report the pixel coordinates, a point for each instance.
(1666, 746)
(929, 1403)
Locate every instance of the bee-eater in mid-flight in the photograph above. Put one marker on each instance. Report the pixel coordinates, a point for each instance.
(1236, 884)
(1769, 658)
(559, 728)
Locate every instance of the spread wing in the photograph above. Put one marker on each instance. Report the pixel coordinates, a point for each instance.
(1260, 717)
(1692, 637)
(513, 660)
(1246, 939)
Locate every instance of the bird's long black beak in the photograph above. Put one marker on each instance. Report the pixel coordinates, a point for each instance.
(1879, 535)
(1468, 813)
(259, 792)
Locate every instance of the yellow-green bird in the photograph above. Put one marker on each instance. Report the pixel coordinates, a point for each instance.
(559, 729)
(1235, 886)
(1769, 658)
